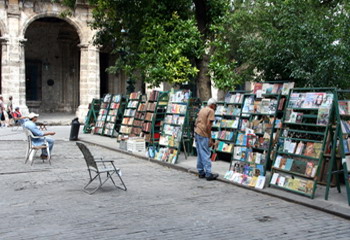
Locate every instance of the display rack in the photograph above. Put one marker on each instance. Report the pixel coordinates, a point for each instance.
(258, 127)
(102, 115)
(342, 141)
(225, 127)
(194, 107)
(114, 115)
(305, 131)
(139, 118)
(176, 118)
(256, 134)
(92, 115)
(129, 115)
(155, 114)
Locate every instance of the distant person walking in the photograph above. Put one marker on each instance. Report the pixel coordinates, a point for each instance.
(31, 125)
(204, 122)
(10, 111)
(2, 112)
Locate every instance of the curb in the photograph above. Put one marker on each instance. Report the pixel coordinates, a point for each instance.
(223, 180)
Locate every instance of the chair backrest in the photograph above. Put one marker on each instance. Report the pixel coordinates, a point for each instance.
(28, 134)
(90, 160)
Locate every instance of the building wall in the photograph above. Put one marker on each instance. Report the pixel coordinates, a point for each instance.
(16, 17)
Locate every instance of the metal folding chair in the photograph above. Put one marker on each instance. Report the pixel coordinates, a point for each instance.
(98, 167)
(31, 149)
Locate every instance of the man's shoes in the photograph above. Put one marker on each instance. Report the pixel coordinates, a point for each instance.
(43, 157)
(201, 175)
(212, 177)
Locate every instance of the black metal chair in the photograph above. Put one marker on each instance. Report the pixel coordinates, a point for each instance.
(98, 167)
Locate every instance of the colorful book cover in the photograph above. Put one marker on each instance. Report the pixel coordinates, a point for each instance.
(260, 169)
(274, 178)
(257, 86)
(277, 162)
(323, 116)
(309, 168)
(289, 164)
(343, 107)
(327, 100)
(286, 87)
(300, 148)
(309, 149)
(260, 182)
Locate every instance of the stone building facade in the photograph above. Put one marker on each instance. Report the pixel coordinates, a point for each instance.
(48, 62)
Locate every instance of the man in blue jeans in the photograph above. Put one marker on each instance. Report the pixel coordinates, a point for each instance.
(30, 125)
(202, 134)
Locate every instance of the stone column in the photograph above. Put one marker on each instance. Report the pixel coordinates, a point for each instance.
(13, 61)
(89, 78)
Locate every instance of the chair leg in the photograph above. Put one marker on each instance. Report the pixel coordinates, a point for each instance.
(120, 178)
(117, 172)
(90, 181)
(32, 155)
(48, 154)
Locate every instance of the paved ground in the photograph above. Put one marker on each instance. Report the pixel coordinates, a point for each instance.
(46, 202)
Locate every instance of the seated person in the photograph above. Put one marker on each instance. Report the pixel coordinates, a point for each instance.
(31, 125)
(18, 117)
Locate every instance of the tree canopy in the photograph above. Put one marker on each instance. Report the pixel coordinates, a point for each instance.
(303, 41)
(226, 42)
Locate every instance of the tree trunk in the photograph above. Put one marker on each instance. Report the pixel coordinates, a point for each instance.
(203, 78)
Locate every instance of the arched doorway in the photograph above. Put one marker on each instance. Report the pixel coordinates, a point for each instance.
(52, 62)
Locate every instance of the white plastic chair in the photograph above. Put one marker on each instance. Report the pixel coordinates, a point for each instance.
(31, 149)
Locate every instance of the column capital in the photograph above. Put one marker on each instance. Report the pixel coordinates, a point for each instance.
(83, 45)
(4, 40)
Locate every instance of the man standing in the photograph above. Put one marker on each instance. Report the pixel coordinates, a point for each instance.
(202, 133)
(30, 125)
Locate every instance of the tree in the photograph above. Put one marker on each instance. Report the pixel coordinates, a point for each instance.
(303, 41)
(167, 41)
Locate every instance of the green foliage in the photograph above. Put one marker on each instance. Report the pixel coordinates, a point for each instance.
(303, 41)
(163, 41)
(167, 49)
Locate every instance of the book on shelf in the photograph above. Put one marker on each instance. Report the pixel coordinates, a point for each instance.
(286, 87)
(260, 182)
(345, 126)
(323, 116)
(346, 146)
(280, 181)
(241, 139)
(134, 95)
(300, 148)
(344, 107)
(257, 87)
(309, 149)
(274, 178)
(180, 96)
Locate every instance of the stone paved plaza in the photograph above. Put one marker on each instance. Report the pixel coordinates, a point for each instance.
(46, 202)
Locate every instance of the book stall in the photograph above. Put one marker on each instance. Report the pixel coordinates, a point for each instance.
(114, 115)
(340, 156)
(129, 115)
(258, 127)
(102, 114)
(176, 117)
(139, 118)
(195, 105)
(305, 133)
(155, 114)
(226, 122)
(92, 115)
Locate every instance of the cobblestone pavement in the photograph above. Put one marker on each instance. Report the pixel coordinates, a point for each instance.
(46, 202)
